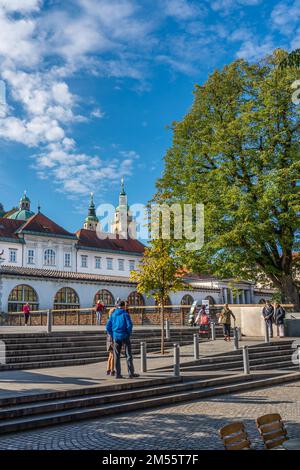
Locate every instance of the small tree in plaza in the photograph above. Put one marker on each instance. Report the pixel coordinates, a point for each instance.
(157, 276)
(237, 151)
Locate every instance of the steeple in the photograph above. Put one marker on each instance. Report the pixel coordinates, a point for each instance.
(24, 202)
(24, 212)
(123, 224)
(92, 220)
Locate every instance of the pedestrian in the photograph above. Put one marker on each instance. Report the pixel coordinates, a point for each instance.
(225, 320)
(279, 316)
(204, 322)
(268, 316)
(26, 311)
(99, 309)
(119, 327)
(110, 349)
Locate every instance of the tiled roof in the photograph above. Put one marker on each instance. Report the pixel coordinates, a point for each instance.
(8, 228)
(52, 274)
(89, 239)
(39, 223)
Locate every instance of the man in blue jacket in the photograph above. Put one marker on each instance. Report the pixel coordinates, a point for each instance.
(119, 327)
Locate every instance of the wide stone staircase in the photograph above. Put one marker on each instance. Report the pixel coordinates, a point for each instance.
(21, 413)
(60, 349)
(264, 356)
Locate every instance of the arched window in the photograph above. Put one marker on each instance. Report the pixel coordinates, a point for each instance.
(187, 300)
(136, 299)
(66, 299)
(49, 257)
(19, 296)
(167, 302)
(211, 300)
(105, 296)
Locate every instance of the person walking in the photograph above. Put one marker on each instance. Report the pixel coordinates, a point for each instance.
(26, 311)
(225, 320)
(204, 323)
(268, 316)
(99, 309)
(110, 349)
(279, 316)
(119, 327)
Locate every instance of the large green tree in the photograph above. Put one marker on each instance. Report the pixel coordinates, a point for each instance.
(238, 152)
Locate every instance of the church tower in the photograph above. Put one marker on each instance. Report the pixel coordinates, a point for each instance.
(92, 220)
(123, 224)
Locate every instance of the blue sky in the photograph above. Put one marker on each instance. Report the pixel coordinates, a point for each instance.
(91, 86)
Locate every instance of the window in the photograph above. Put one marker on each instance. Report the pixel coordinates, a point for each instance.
(121, 264)
(131, 265)
(67, 260)
(136, 299)
(97, 262)
(30, 257)
(49, 258)
(66, 298)
(109, 263)
(84, 261)
(19, 296)
(12, 255)
(105, 296)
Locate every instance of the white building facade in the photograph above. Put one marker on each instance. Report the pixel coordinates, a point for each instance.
(49, 267)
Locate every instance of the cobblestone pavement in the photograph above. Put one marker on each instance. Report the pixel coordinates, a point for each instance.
(192, 425)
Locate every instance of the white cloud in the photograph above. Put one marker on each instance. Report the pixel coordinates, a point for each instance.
(97, 113)
(285, 16)
(181, 9)
(226, 5)
(20, 5)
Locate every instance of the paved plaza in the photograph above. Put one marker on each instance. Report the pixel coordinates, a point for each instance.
(35, 381)
(188, 426)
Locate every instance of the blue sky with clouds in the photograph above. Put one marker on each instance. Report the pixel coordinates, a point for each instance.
(91, 86)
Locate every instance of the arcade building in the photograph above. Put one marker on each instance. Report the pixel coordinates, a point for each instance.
(46, 265)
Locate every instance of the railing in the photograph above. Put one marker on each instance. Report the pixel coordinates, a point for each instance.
(141, 315)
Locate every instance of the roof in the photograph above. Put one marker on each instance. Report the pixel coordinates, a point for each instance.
(90, 239)
(39, 224)
(8, 227)
(21, 214)
(53, 274)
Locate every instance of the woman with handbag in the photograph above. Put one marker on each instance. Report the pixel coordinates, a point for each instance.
(225, 321)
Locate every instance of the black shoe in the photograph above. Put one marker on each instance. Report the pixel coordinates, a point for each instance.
(119, 377)
(113, 372)
(108, 372)
(133, 376)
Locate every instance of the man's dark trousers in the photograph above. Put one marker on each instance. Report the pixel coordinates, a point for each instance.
(117, 352)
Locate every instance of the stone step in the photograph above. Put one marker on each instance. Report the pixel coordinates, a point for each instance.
(132, 402)
(153, 389)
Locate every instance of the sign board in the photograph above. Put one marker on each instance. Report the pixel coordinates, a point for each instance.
(206, 303)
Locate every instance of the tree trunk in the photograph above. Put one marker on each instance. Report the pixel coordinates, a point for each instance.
(289, 291)
(162, 315)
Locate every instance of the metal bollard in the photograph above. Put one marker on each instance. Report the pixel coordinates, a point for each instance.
(235, 339)
(267, 333)
(246, 360)
(213, 331)
(176, 360)
(168, 335)
(143, 357)
(49, 321)
(196, 346)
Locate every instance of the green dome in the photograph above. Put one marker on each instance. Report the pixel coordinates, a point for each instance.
(21, 215)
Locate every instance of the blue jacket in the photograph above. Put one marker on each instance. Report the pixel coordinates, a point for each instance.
(119, 325)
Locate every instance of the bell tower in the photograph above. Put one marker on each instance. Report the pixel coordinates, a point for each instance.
(92, 220)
